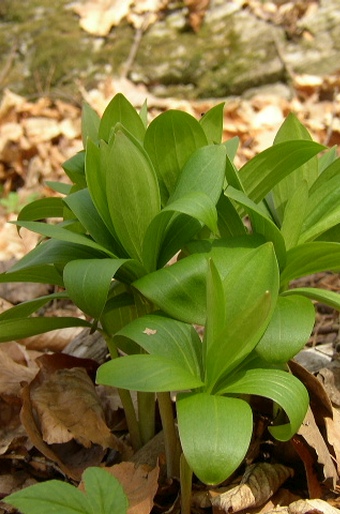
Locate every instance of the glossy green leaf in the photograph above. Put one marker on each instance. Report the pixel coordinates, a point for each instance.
(329, 173)
(59, 187)
(261, 224)
(251, 289)
(62, 234)
(268, 168)
(82, 206)
(288, 331)
(87, 282)
(20, 328)
(281, 387)
(103, 494)
(309, 258)
(203, 172)
(323, 210)
(90, 121)
(29, 307)
(42, 274)
(97, 169)
(229, 222)
(53, 252)
(292, 129)
(41, 209)
(294, 214)
(231, 146)
(327, 158)
(166, 338)
(133, 193)
(179, 290)
(215, 434)
(170, 140)
(120, 110)
(212, 124)
(155, 374)
(216, 307)
(75, 169)
(330, 298)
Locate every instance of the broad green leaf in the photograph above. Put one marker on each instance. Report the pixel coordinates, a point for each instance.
(332, 171)
(292, 129)
(42, 274)
(143, 113)
(323, 210)
(197, 205)
(229, 222)
(52, 252)
(212, 124)
(309, 258)
(215, 434)
(294, 215)
(87, 283)
(170, 140)
(104, 492)
(62, 234)
(155, 374)
(327, 158)
(59, 187)
(51, 496)
(261, 224)
(251, 289)
(90, 121)
(330, 298)
(120, 110)
(82, 206)
(97, 169)
(331, 235)
(216, 307)
(282, 388)
(75, 168)
(203, 172)
(179, 290)
(232, 146)
(166, 338)
(41, 209)
(20, 328)
(261, 173)
(288, 331)
(27, 308)
(133, 193)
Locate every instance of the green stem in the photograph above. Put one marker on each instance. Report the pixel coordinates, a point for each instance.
(146, 416)
(125, 398)
(171, 441)
(186, 485)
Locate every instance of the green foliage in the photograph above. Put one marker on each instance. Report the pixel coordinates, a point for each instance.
(103, 495)
(143, 193)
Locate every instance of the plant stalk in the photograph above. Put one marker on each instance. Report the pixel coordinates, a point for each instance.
(125, 398)
(171, 440)
(146, 416)
(186, 485)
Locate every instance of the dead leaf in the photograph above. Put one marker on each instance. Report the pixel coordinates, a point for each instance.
(197, 10)
(14, 370)
(333, 435)
(140, 484)
(258, 484)
(315, 505)
(312, 435)
(97, 17)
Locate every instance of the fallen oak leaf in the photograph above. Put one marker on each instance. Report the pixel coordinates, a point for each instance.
(258, 484)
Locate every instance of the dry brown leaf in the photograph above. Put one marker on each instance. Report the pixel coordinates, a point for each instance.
(55, 340)
(197, 10)
(333, 435)
(14, 370)
(312, 435)
(140, 484)
(312, 506)
(97, 17)
(68, 408)
(258, 484)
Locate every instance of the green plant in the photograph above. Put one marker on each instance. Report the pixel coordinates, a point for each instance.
(143, 193)
(103, 495)
(12, 202)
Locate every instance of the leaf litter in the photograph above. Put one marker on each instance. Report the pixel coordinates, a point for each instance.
(52, 421)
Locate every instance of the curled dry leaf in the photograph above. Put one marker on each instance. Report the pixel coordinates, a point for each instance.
(63, 416)
(312, 506)
(15, 368)
(258, 484)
